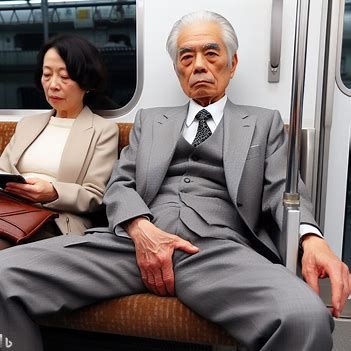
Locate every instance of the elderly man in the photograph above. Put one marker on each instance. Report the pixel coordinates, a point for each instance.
(194, 211)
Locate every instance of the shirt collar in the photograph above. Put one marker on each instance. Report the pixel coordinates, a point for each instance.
(216, 110)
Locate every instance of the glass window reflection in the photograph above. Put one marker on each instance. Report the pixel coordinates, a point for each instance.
(110, 25)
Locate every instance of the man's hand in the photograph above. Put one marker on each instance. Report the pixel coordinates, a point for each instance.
(154, 250)
(35, 189)
(318, 261)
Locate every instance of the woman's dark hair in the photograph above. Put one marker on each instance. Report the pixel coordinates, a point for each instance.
(83, 64)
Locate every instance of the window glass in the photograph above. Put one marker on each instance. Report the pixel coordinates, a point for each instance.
(345, 63)
(110, 25)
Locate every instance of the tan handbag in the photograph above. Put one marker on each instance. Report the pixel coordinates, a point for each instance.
(19, 219)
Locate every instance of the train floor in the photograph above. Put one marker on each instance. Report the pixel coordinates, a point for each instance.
(69, 340)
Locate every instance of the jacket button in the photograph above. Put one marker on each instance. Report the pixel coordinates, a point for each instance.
(186, 180)
(195, 158)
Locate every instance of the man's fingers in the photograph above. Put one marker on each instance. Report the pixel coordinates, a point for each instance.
(339, 280)
(159, 280)
(185, 246)
(154, 253)
(168, 279)
(160, 285)
(149, 282)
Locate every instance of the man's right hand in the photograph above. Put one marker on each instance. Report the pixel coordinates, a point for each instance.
(154, 250)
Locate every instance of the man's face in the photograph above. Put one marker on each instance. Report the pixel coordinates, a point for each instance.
(202, 63)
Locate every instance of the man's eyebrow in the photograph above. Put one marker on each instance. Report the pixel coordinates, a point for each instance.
(209, 46)
(213, 46)
(184, 50)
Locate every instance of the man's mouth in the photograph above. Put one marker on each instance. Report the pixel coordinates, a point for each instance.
(198, 80)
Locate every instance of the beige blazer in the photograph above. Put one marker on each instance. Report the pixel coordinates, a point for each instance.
(85, 167)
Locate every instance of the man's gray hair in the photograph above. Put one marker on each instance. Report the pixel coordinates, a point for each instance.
(228, 33)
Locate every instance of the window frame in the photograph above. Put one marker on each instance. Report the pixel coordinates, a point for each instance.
(340, 83)
(139, 18)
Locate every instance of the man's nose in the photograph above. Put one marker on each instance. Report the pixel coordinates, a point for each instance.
(200, 64)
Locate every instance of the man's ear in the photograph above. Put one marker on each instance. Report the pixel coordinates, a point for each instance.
(233, 65)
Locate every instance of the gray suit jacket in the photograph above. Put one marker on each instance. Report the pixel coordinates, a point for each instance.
(86, 164)
(254, 160)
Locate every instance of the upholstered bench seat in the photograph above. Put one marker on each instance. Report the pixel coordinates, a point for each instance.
(143, 315)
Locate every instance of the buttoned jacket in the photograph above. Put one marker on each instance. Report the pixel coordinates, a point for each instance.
(254, 161)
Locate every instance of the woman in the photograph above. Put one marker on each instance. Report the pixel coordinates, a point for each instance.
(67, 154)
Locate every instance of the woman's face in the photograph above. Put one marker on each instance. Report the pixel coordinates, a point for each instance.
(62, 93)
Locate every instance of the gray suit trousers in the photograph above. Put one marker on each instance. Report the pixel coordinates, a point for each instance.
(261, 304)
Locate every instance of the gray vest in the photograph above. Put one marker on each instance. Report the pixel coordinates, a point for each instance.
(194, 191)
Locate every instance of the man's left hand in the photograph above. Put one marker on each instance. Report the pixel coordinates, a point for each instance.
(319, 261)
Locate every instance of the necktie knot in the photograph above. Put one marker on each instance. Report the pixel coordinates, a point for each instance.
(203, 130)
(203, 115)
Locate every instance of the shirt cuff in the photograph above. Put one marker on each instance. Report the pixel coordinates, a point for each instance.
(309, 229)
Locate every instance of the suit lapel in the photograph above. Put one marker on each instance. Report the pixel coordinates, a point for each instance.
(238, 132)
(166, 132)
(76, 147)
(27, 138)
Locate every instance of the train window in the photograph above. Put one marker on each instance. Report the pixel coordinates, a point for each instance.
(345, 59)
(24, 26)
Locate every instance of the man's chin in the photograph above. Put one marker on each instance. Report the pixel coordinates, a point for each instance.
(203, 100)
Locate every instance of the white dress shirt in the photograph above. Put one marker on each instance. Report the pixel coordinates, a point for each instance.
(216, 110)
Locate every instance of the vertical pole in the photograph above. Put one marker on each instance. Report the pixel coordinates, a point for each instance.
(291, 198)
(45, 17)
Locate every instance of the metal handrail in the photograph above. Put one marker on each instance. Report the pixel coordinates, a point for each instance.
(291, 199)
(276, 41)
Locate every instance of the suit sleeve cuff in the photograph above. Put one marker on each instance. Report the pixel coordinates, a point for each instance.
(309, 229)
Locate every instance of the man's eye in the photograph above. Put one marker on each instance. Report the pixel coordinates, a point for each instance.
(186, 58)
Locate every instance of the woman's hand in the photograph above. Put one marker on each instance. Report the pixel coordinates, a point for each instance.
(35, 189)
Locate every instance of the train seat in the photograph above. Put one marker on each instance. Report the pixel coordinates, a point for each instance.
(147, 315)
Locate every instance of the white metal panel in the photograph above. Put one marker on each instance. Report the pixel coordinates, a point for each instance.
(337, 171)
(251, 20)
(339, 123)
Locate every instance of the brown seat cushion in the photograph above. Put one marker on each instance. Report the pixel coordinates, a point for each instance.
(144, 315)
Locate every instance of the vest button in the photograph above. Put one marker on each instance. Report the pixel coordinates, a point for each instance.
(186, 180)
(195, 158)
